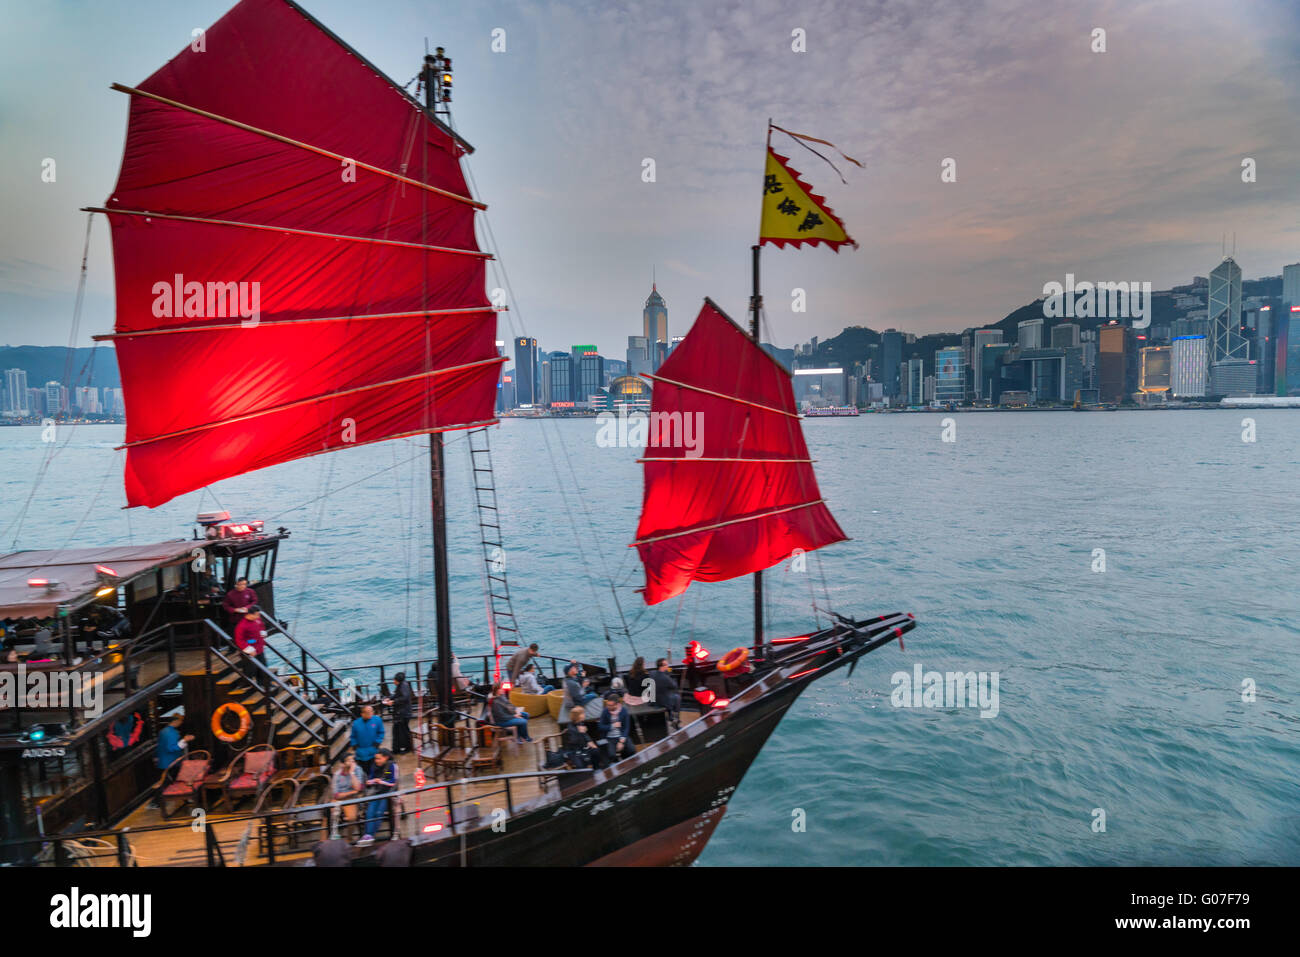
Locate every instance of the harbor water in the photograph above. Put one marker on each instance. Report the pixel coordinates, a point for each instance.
(1128, 579)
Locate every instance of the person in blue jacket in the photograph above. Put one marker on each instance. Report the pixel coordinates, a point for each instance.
(367, 736)
(382, 781)
(171, 743)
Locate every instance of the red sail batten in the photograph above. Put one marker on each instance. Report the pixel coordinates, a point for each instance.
(262, 201)
(730, 489)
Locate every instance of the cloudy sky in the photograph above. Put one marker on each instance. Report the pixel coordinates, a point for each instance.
(1122, 165)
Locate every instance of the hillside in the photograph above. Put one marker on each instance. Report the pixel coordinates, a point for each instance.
(88, 366)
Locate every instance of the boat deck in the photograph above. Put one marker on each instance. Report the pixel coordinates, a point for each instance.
(242, 840)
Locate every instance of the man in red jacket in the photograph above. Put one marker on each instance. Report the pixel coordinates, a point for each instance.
(238, 600)
(250, 639)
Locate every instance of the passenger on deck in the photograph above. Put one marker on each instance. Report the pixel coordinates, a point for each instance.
(615, 727)
(635, 683)
(577, 690)
(250, 639)
(367, 736)
(520, 658)
(459, 682)
(239, 599)
(43, 650)
(171, 743)
(401, 704)
(11, 656)
(348, 782)
(579, 748)
(382, 781)
(666, 692)
(506, 715)
(529, 683)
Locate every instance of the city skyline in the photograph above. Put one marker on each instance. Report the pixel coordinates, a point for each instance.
(578, 227)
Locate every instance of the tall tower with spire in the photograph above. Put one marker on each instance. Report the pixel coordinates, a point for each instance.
(655, 322)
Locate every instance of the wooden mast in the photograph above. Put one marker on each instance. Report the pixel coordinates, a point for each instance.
(755, 306)
(437, 485)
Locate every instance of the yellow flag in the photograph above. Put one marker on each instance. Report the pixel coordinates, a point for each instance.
(793, 213)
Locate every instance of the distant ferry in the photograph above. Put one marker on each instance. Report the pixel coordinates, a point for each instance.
(831, 410)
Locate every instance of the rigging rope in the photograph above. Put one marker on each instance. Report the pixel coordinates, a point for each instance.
(499, 270)
(52, 451)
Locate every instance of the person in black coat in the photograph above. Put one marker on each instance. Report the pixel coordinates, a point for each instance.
(666, 693)
(401, 705)
(579, 748)
(615, 726)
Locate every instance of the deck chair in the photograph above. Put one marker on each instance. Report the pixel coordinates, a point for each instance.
(457, 744)
(486, 753)
(278, 795)
(249, 773)
(315, 821)
(182, 781)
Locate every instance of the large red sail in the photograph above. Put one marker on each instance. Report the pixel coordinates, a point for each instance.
(295, 259)
(729, 486)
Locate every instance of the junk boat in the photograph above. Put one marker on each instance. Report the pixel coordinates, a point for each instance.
(282, 162)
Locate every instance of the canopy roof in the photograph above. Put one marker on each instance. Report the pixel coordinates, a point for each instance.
(74, 571)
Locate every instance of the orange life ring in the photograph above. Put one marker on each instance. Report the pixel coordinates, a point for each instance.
(733, 660)
(245, 722)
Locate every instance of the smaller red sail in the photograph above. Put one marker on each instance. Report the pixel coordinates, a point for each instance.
(729, 486)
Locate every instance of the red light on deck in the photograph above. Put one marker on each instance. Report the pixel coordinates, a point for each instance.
(802, 673)
(431, 828)
(696, 651)
(787, 641)
(722, 702)
(506, 686)
(105, 570)
(38, 582)
(240, 529)
(705, 697)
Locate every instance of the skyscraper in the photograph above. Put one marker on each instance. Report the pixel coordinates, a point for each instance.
(15, 392)
(654, 319)
(87, 399)
(590, 376)
(1288, 352)
(638, 355)
(1291, 284)
(1112, 360)
(891, 358)
(980, 339)
(525, 377)
(949, 375)
(914, 372)
(1226, 341)
(1065, 335)
(990, 369)
(1155, 369)
(561, 364)
(1029, 334)
(56, 398)
(1189, 366)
